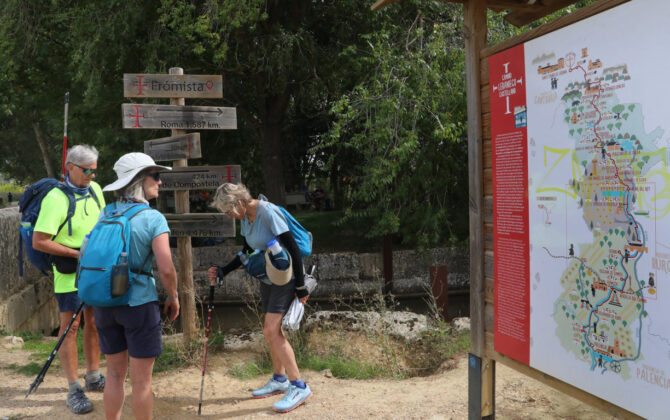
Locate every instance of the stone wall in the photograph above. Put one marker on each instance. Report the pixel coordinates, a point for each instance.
(27, 303)
(342, 274)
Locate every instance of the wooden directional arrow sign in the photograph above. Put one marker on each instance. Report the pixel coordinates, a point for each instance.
(186, 146)
(199, 177)
(210, 225)
(172, 86)
(179, 117)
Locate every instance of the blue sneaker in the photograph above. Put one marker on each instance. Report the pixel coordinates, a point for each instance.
(293, 398)
(271, 388)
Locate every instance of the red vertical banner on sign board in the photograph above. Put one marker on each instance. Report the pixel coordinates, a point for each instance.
(510, 203)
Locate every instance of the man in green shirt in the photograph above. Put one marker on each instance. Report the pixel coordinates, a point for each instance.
(82, 162)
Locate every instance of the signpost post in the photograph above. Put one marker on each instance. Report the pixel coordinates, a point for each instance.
(179, 147)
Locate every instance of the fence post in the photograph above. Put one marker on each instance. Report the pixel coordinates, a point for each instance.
(439, 288)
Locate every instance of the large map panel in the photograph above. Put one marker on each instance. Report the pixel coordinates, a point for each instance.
(599, 202)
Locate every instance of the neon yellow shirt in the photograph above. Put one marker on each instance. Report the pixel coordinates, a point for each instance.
(54, 212)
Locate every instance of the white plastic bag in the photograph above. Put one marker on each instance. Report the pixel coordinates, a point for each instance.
(292, 318)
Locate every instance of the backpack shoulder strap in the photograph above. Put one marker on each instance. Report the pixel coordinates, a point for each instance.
(70, 208)
(95, 197)
(261, 213)
(135, 209)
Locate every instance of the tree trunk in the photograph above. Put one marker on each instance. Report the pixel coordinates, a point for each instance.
(273, 168)
(273, 163)
(43, 150)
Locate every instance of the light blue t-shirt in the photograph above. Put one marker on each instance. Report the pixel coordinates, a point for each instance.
(269, 224)
(145, 226)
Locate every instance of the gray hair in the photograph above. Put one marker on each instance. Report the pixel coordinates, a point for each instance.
(227, 196)
(82, 154)
(135, 188)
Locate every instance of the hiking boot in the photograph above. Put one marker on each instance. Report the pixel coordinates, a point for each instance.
(97, 386)
(271, 388)
(293, 398)
(78, 402)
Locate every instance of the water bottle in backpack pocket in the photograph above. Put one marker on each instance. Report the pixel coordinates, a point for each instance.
(104, 276)
(278, 256)
(120, 276)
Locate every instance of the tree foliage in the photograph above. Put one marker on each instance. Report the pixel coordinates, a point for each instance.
(370, 103)
(403, 127)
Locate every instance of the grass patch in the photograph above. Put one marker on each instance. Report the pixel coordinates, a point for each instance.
(176, 354)
(31, 369)
(250, 369)
(342, 367)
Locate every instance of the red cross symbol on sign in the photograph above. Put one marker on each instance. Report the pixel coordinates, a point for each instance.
(139, 84)
(229, 175)
(137, 117)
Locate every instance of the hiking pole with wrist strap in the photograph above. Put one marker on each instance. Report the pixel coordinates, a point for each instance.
(67, 103)
(209, 320)
(40, 376)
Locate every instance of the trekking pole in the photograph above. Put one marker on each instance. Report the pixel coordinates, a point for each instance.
(209, 320)
(40, 376)
(67, 103)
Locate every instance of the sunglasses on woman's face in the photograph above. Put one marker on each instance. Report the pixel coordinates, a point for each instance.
(156, 176)
(86, 171)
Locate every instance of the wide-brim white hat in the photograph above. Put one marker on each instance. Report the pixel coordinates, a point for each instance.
(276, 276)
(130, 165)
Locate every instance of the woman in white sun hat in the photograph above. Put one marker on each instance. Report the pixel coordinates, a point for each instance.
(135, 330)
(260, 223)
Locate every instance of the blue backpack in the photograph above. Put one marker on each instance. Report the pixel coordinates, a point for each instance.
(102, 254)
(30, 204)
(302, 236)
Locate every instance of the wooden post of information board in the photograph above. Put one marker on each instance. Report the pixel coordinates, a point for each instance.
(184, 251)
(474, 33)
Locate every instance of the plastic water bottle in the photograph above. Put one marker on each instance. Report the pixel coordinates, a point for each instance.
(120, 275)
(278, 256)
(243, 258)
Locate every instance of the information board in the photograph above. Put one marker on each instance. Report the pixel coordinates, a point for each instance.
(581, 197)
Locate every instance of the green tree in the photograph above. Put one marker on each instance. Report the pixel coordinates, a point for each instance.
(405, 122)
(282, 62)
(618, 109)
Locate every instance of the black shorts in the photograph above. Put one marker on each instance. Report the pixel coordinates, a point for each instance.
(277, 299)
(133, 328)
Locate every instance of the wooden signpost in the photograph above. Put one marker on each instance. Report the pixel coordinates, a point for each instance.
(186, 146)
(172, 86)
(199, 177)
(203, 225)
(179, 117)
(179, 147)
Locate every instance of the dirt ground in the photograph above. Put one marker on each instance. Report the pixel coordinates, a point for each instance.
(442, 395)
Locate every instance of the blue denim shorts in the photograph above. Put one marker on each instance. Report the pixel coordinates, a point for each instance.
(133, 328)
(68, 302)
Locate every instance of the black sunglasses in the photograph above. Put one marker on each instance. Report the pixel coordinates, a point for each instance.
(86, 171)
(155, 175)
